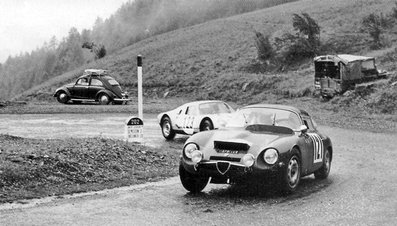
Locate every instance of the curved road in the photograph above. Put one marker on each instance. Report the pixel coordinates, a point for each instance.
(361, 189)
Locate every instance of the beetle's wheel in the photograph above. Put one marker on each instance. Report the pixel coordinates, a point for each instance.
(62, 97)
(104, 99)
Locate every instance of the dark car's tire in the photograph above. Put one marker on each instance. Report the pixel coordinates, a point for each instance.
(323, 172)
(206, 125)
(62, 97)
(166, 129)
(290, 176)
(104, 99)
(191, 182)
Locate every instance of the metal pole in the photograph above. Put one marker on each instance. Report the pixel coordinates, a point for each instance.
(140, 101)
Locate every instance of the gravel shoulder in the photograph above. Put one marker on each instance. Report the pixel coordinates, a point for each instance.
(360, 190)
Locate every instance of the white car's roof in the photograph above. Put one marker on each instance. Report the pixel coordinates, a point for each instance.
(202, 102)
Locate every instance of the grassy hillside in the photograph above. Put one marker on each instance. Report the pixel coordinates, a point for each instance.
(216, 60)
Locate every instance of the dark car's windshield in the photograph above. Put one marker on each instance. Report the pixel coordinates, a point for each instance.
(264, 116)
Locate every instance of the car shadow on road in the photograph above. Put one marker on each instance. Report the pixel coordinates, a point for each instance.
(252, 193)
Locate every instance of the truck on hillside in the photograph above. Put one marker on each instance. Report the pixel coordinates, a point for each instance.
(334, 74)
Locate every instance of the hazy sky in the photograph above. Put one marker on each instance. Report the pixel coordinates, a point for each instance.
(27, 24)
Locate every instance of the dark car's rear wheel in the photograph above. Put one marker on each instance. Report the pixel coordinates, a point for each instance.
(166, 129)
(290, 177)
(62, 97)
(323, 172)
(191, 182)
(104, 99)
(206, 125)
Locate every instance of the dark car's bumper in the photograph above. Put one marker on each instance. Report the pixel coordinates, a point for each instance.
(225, 170)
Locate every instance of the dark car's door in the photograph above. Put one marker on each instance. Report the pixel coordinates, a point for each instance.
(80, 89)
(315, 144)
(95, 86)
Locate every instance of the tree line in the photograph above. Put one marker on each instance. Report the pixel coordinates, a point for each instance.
(132, 22)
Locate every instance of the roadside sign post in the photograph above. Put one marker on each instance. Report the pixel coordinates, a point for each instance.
(134, 130)
(134, 125)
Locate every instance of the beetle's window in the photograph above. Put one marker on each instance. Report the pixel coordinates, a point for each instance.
(113, 82)
(96, 82)
(82, 81)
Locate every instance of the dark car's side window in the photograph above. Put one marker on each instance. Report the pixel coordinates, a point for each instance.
(308, 122)
(96, 82)
(82, 82)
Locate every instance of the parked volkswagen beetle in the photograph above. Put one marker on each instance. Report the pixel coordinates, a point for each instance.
(93, 86)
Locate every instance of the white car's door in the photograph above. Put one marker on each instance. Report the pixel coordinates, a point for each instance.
(186, 118)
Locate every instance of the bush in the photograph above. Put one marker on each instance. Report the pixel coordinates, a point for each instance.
(263, 46)
(293, 48)
(375, 25)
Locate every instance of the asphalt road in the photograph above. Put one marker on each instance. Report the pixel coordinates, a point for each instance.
(361, 189)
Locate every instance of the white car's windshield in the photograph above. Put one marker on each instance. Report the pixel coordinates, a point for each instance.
(264, 116)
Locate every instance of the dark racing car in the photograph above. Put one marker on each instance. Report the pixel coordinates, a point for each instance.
(260, 143)
(93, 86)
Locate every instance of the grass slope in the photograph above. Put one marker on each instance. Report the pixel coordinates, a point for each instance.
(214, 60)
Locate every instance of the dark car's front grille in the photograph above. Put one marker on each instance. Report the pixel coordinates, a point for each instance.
(223, 158)
(223, 145)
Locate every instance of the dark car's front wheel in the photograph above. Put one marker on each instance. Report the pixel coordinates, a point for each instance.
(104, 99)
(62, 97)
(191, 182)
(290, 177)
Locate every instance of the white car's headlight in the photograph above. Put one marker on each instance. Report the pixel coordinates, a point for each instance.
(270, 156)
(248, 160)
(189, 149)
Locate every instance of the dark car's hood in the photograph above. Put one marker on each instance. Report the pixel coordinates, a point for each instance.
(253, 138)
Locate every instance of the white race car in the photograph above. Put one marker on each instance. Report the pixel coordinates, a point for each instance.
(194, 117)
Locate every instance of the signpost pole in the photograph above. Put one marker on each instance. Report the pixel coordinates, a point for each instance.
(140, 104)
(134, 125)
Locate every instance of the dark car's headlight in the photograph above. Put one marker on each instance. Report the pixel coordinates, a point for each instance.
(191, 151)
(270, 156)
(248, 160)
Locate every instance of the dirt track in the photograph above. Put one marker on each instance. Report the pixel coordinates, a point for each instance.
(361, 189)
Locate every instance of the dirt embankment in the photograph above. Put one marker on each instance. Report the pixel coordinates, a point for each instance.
(33, 168)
